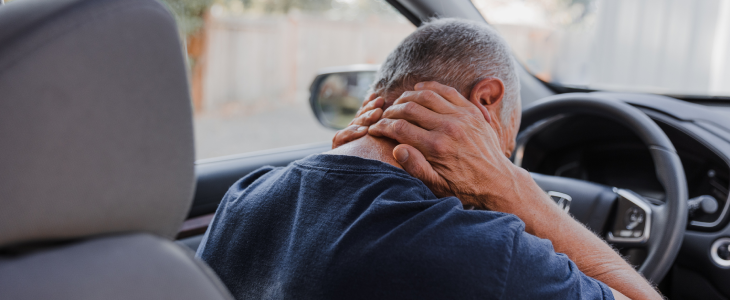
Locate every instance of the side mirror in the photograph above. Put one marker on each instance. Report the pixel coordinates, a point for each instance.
(337, 93)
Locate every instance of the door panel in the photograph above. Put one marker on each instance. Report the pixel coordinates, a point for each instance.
(216, 175)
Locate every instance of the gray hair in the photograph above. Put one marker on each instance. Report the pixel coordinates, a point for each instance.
(453, 52)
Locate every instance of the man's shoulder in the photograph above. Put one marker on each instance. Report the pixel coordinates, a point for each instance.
(386, 189)
(349, 164)
(332, 163)
(332, 175)
(255, 177)
(445, 222)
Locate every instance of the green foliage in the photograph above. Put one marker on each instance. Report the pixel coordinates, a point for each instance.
(188, 13)
(359, 7)
(284, 6)
(585, 7)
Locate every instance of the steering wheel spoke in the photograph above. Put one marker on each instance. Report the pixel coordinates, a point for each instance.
(632, 222)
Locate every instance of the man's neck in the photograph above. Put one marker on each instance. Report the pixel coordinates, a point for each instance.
(369, 147)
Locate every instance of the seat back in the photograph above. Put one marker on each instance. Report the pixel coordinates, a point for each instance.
(131, 266)
(96, 153)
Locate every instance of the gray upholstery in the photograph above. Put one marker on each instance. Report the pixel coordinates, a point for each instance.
(96, 153)
(192, 243)
(95, 120)
(136, 266)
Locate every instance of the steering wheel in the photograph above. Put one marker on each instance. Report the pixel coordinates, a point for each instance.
(635, 221)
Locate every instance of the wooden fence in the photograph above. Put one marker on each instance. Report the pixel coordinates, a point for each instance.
(272, 60)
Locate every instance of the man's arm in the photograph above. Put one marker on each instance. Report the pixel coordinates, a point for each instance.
(591, 254)
(447, 143)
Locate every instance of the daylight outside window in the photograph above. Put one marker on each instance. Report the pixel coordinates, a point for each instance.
(252, 62)
(679, 47)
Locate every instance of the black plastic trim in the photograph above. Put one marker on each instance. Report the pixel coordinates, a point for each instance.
(697, 99)
(215, 176)
(668, 121)
(405, 12)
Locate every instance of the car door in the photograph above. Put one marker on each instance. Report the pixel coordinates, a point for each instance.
(251, 66)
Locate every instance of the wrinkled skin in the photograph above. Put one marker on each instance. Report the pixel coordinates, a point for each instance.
(457, 146)
(369, 113)
(451, 134)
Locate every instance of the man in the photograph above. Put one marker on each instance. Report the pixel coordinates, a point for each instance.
(351, 223)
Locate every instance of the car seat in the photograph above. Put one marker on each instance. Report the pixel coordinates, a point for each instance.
(96, 153)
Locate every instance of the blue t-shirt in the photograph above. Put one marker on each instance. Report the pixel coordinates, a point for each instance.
(343, 227)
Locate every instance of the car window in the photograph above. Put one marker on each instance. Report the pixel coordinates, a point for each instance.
(676, 47)
(252, 62)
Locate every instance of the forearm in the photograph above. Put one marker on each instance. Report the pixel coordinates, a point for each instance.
(592, 255)
(449, 142)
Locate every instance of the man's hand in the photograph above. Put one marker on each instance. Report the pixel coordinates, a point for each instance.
(447, 142)
(369, 113)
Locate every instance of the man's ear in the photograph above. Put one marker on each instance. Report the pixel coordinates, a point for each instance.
(486, 95)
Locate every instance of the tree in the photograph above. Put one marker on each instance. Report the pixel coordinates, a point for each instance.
(188, 13)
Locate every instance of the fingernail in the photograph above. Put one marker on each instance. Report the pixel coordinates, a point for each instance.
(401, 155)
(419, 85)
(361, 128)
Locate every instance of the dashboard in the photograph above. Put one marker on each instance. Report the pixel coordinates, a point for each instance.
(604, 151)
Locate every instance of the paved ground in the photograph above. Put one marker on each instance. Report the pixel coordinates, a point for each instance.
(218, 134)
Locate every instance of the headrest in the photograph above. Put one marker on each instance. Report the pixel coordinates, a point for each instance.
(95, 120)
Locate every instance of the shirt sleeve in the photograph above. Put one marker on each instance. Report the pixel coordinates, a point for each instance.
(537, 272)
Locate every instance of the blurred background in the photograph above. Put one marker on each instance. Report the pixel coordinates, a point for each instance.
(252, 62)
(675, 47)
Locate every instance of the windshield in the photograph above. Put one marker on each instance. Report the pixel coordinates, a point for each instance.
(678, 47)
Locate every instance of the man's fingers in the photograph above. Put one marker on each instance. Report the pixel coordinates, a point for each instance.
(403, 132)
(368, 118)
(428, 99)
(357, 128)
(370, 105)
(415, 114)
(416, 164)
(447, 92)
(349, 134)
(369, 98)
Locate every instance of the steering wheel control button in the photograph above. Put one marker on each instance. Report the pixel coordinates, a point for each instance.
(720, 252)
(561, 199)
(629, 233)
(632, 219)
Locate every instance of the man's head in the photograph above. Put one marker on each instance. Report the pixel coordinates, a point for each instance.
(468, 56)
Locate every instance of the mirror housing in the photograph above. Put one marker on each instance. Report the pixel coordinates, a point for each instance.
(338, 92)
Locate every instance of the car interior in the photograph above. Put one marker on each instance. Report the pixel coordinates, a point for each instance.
(103, 198)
